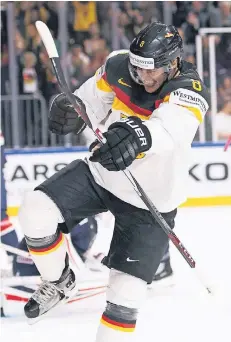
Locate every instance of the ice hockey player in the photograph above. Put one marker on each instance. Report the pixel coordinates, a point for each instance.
(151, 103)
(8, 234)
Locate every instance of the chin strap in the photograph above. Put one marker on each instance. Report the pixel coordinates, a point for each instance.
(177, 69)
(172, 76)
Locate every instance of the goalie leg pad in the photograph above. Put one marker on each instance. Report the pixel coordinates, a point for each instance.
(39, 216)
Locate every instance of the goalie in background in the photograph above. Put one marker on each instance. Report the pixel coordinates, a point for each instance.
(8, 234)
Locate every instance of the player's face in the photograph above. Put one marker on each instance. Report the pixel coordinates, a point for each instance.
(152, 79)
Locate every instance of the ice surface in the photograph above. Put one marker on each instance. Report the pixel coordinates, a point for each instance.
(178, 313)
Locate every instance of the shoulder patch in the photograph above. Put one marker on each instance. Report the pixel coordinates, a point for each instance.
(190, 99)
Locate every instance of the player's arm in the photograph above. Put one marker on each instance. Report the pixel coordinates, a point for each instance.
(96, 97)
(173, 124)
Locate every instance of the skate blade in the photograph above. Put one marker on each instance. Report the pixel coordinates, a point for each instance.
(70, 294)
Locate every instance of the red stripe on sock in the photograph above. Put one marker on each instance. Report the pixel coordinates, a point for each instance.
(118, 324)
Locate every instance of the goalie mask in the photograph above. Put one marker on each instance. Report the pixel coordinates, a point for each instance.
(152, 53)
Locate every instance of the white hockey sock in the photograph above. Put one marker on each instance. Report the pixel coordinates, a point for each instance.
(49, 256)
(125, 294)
(39, 218)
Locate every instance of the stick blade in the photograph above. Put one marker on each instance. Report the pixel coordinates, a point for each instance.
(47, 39)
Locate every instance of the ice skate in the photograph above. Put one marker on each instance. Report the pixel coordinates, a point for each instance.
(49, 295)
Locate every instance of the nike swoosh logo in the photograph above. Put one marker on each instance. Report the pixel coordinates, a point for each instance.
(131, 260)
(123, 83)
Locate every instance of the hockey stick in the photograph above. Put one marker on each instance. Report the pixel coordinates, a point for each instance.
(228, 142)
(50, 46)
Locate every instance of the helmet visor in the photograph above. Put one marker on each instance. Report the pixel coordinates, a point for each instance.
(143, 71)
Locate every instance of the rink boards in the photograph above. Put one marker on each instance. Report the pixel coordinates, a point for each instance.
(209, 172)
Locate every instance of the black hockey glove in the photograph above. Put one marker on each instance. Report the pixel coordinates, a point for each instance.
(125, 140)
(63, 119)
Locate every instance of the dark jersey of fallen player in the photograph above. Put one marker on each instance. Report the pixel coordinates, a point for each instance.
(132, 99)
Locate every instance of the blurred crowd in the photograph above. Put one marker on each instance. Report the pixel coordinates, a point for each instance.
(91, 37)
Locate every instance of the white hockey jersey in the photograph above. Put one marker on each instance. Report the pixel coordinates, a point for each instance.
(172, 115)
